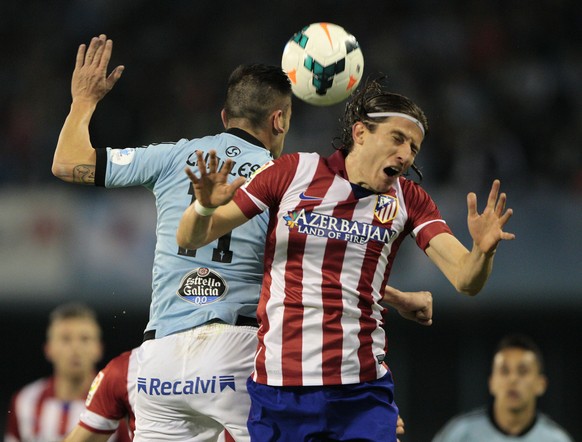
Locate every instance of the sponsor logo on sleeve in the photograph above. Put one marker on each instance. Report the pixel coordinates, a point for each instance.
(94, 386)
(122, 157)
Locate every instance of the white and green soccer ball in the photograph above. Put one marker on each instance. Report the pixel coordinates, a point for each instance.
(324, 63)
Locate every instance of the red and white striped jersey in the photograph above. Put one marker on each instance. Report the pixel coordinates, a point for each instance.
(328, 255)
(36, 415)
(111, 398)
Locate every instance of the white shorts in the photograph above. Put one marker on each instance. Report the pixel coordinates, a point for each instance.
(192, 385)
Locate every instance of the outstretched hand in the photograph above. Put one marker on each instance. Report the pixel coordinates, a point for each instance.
(90, 80)
(212, 188)
(486, 229)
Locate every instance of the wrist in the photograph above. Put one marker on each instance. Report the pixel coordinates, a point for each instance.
(203, 211)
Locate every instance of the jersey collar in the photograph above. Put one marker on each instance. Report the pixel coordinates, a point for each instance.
(238, 132)
(523, 432)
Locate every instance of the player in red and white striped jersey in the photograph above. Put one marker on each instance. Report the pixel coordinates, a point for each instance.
(336, 225)
(111, 401)
(47, 409)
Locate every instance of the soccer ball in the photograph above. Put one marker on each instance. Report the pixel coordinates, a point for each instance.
(324, 63)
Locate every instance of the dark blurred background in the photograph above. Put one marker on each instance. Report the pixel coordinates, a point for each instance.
(501, 84)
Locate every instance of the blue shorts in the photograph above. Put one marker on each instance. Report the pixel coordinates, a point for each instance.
(354, 412)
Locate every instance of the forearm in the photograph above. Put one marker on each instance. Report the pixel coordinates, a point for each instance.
(415, 306)
(394, 297)
(80, 434)
(74, 158)
(194, 229)
(473, 272)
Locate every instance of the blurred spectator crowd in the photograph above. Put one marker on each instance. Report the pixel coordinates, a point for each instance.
(500, 80)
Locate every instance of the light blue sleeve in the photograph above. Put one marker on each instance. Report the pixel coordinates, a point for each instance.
(140, 166)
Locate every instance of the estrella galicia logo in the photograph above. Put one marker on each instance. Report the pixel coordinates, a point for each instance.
(202, 286)
(198, 385)
(232, 151)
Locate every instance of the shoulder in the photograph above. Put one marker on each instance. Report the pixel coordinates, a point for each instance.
(31, 393)
(120, 361)
(470, 417)
(292, 161)
(412, 189)
(35, 387)
(555, 433)
(463, 426)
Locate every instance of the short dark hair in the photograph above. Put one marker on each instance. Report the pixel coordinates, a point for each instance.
(72, 310)
(374, 97)
(256, 90)
(519, 340)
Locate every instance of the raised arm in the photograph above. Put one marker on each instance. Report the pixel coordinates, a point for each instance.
(468, 271)
(74, 158)
(212, 214)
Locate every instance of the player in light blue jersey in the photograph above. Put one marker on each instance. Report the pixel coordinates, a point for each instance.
(517, 380)
(201, 336)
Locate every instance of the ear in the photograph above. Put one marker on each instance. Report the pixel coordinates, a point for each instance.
(541, 385)
(490, 384)
(358, 132)
(100, 352)
(278, 122)
(224, 118)
(47, 352)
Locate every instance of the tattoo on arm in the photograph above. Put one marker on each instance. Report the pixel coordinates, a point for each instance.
(84, 174)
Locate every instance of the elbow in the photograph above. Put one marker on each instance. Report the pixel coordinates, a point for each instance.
(468, 289)
(58, 171)
(185, 241)
(62, 171)
(468, 292)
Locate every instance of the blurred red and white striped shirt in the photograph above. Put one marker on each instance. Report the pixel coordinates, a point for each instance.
(37, 415)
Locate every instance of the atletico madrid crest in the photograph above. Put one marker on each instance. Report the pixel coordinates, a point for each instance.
(386, 208)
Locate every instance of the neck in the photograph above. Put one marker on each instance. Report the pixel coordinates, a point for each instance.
(260, 135)
(353, 170)
(71, 388)
(513, 422)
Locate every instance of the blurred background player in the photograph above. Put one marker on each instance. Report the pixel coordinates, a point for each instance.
(47, 409)
(517, 381)
(111, 399)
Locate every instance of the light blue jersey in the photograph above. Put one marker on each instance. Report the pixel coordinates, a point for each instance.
(191, 287)
(477, 426)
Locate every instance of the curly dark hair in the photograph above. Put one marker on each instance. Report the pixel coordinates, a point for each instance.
(374, 97)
